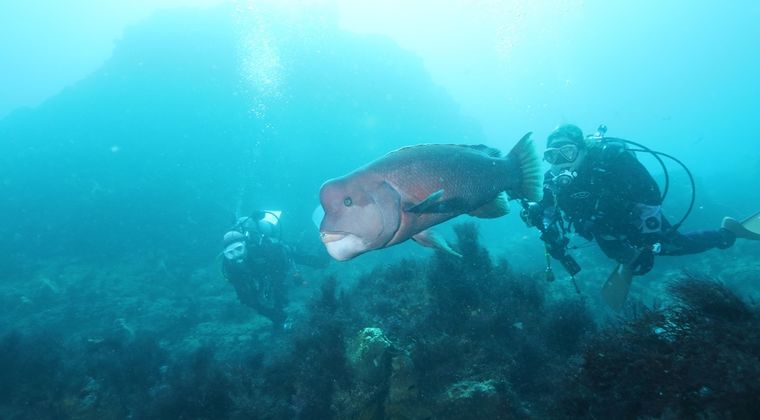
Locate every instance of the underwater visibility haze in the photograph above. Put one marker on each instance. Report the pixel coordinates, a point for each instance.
(161, 163)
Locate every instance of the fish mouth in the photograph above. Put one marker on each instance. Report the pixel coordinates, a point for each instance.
(328, 237)
(342, 246)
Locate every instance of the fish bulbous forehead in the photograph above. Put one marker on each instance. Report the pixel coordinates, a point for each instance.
(331, 191)
(334, 193)
(340, 193)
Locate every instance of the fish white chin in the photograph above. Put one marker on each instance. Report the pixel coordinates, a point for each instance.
(344, 248)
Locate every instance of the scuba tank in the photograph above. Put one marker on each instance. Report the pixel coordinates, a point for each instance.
(601, 136)
(261, 225)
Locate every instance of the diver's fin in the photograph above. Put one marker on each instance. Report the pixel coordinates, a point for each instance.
(495, 208)
(427, 203)
(528, 164)
(431, 239)
(616, 288)
(749, 228)
(752, 223)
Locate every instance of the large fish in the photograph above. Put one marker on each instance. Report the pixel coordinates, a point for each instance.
(402, 194)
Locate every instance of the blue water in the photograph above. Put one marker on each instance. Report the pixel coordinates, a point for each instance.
(124, 159)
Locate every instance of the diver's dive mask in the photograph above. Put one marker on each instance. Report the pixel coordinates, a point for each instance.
(235, 251)
(567, 153)
(565, 157)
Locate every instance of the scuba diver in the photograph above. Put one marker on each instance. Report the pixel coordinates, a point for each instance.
(257, 264)
(597, 188)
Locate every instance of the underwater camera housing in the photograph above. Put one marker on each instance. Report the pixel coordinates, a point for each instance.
(570, 264)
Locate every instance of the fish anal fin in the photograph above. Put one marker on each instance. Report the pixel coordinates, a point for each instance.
(497, 207)
(431, 239)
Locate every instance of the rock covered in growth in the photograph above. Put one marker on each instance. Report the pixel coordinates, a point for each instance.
(474, 399)
(369, 355)
(403, 400)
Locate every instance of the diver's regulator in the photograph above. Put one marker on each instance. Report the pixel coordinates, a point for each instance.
(564, 178)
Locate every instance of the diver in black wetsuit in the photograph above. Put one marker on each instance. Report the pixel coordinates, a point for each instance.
(599, 189)
(257, 264)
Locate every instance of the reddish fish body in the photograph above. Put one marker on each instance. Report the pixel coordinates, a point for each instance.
(405, 192)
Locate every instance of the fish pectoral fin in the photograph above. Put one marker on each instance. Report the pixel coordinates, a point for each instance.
(429, 238)
(426, 204)
(497, 207)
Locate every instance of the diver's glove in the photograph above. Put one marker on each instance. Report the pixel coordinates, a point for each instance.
(643, 263)
(532, 213)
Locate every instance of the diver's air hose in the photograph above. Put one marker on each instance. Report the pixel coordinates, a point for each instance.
(657, 155)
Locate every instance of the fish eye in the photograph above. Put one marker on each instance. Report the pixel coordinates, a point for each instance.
(347, 202)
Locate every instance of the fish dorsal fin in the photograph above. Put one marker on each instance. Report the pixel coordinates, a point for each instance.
(411, 147)
(427, 203)
(495, 208)
(490, 151)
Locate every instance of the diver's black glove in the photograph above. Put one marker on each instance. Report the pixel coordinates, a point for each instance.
(643, 263)
(532, 213)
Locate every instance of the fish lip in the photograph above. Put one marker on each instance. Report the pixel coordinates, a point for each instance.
(328, 237)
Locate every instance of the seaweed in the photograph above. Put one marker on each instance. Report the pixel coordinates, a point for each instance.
(699, 293)
(197, 387)
(696, 358)
(443, 337)
(305, 376)
(32, 379)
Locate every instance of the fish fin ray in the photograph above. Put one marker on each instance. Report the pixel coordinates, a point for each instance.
(530, 180)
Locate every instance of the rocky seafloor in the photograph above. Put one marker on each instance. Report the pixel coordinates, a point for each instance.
(154, 336)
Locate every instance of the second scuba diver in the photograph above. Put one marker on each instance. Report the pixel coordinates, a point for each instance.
(258, 264)
(597, 188)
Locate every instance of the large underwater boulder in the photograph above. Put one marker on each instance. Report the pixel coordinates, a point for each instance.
(199, 114)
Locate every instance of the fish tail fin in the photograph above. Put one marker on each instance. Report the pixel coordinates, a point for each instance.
(524, 159)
